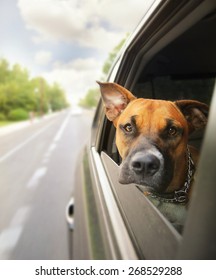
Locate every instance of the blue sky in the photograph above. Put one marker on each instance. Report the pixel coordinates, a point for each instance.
(65, 40)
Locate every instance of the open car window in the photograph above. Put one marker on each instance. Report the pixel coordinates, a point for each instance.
(184, 69)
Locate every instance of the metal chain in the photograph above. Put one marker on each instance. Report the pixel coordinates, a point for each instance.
(181, 196)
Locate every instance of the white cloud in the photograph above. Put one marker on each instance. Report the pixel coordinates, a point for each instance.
(43, 57)
(76, 76)
(90, 23)
(95, 24)
(79, 64)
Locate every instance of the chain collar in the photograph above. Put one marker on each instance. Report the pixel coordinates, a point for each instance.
(179, 196)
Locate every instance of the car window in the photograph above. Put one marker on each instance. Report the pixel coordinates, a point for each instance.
(184, 69)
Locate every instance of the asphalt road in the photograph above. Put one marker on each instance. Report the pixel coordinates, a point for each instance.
(37, 169)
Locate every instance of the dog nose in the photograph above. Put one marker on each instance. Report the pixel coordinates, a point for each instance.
(147, 164)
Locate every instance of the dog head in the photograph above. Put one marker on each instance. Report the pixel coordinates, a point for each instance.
(152, 136)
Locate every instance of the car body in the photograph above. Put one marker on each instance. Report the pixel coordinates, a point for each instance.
(171, 55)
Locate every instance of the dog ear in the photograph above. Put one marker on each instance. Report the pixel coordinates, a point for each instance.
(195, 112)
(115, 99)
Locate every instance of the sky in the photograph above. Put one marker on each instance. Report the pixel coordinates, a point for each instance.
(65, 41)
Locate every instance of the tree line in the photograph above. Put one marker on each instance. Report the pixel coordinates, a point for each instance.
(21, 95)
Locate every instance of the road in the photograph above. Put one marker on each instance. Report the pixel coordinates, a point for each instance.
(37, 166)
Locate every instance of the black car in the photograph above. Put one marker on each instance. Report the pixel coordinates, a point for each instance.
(171, 55)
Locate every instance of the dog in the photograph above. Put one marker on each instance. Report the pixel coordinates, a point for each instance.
(152, 140)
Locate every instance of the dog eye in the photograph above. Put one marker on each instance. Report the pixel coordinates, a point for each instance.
(172, 131)
(128, 127)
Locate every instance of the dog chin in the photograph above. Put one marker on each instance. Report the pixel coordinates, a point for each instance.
(126, 178)
(151, 186)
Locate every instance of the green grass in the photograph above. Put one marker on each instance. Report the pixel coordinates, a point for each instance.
(4, 123)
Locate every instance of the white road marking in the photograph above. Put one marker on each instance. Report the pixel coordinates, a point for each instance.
(35, 179)
(40, 172)
(61, 130)
(20, 216)
(8, 240)
(55, 140)
(51, 148)
(11, 235)
(49, 152)
(21, 145)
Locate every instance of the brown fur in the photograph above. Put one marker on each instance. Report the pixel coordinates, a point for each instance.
(151, 119)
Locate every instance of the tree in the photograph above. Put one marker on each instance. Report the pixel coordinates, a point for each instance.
(93, 95)
(4, 70)
(91, 98)
(56, 97)
(15, 88)
(18, 91)
(111, 57)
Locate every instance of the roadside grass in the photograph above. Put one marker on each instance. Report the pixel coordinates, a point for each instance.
(4, 123)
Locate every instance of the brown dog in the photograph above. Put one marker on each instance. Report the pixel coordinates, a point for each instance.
(152, 139)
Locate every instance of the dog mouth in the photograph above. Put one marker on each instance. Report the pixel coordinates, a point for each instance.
(146, 168)
(150, 183)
